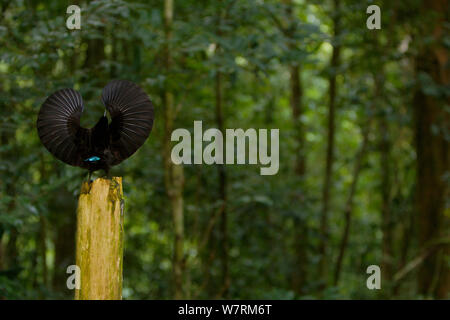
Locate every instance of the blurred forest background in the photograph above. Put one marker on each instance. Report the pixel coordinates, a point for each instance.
(364, 134)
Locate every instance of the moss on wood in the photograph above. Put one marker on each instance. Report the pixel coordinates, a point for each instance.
(100, 239)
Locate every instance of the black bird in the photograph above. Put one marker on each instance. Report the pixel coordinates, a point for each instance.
(106, 144)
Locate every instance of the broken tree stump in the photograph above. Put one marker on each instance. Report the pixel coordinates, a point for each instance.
(99, 252)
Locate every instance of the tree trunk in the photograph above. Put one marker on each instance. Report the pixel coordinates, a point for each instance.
(99, 253)
(299, 270)
(2, 257)
(62, 217)
(63, 220)
(433, 156)
(173, 174)
(12, 253)
(222, 173)
(334, 64)
(222, 192)
(10, 248)
(385, 162)
(43, 248)
(176, 198)
(349, 205)
(301, 231)
(95, 53)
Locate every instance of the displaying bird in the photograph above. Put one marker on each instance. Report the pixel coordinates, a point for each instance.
(107, 143)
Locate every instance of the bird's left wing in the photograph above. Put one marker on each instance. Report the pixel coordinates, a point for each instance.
(58, 125)
(131, 117)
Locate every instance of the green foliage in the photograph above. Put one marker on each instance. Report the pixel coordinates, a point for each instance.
(256, 43)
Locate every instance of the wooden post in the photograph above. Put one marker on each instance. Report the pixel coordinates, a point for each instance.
(100, 240)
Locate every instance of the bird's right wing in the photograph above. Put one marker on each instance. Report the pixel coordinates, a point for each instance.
(58, 126)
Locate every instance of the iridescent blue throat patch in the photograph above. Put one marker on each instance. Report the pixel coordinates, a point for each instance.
(92, 159)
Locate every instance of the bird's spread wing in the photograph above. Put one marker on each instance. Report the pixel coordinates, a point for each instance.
(58, 125)
(132, 117)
